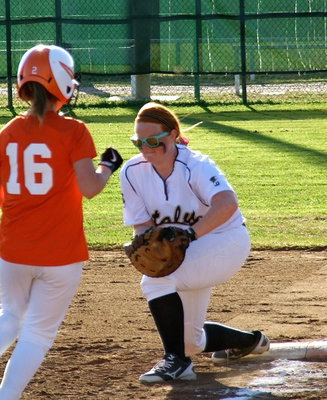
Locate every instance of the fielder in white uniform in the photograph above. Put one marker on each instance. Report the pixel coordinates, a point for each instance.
(169, 184)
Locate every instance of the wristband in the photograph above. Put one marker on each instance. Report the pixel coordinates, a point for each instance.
(191, 233)
(107, 164)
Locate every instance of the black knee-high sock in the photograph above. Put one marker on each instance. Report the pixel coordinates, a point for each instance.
(168, 315)
(221, 337)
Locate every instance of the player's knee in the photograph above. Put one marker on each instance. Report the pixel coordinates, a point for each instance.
(42, 338)
(192, 348)
(9, 325)
(194, 341)
(161, 287)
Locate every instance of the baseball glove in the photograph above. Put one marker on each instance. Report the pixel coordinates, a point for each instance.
(159, 251)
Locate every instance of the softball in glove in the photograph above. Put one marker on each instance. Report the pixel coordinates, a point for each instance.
(159, 251)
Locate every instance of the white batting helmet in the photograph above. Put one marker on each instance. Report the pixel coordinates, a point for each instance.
(52, 67)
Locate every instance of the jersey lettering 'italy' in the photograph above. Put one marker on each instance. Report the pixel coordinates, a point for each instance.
(42, 220)
(182, 199)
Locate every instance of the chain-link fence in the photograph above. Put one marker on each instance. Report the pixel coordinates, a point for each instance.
(186, 50)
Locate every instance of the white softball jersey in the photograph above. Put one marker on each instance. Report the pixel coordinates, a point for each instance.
(181, 199)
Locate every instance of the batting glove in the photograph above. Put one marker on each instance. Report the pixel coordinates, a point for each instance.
(110, 158)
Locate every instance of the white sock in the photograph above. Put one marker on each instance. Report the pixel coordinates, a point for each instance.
(20, 369)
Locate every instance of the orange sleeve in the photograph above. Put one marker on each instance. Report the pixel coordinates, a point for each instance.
(83, 144)
(2, 195)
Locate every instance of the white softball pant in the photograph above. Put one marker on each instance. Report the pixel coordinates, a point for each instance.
(209, 261)
(34, 301)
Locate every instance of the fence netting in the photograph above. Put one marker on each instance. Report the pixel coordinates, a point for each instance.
(213, 50)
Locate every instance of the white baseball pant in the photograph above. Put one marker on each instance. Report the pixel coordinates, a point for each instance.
(209, 261)
(34, 302)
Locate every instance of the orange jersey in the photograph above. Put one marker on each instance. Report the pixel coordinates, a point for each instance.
(42, 215)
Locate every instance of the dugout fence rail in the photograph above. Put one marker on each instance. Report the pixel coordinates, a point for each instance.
(210, 50)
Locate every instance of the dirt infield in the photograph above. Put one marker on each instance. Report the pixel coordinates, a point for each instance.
(108, 338)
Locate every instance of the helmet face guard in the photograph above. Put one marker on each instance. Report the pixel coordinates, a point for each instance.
(50, 66)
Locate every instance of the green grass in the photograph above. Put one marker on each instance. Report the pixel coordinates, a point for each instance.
(275, 156)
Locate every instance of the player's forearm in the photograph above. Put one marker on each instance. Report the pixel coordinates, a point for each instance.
(90, 181)
(102, 174)
(140, 228)
(222, 208)
(96, 184)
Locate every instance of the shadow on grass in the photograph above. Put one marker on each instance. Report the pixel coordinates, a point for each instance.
(214, 121)
(255, 137)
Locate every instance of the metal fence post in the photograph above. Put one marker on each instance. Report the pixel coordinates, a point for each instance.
(243, 51)
(8, 54)
(198, 41)
(141, 34)
(58, 23)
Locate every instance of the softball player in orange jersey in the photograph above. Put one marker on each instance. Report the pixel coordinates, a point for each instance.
(46, 168)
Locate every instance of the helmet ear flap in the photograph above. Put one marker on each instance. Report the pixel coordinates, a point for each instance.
(52, 67)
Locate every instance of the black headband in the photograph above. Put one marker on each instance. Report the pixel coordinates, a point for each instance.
(157, 117)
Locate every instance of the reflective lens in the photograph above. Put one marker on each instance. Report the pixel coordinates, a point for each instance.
(151, 141)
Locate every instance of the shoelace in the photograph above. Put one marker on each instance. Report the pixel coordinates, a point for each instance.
(163, 365)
